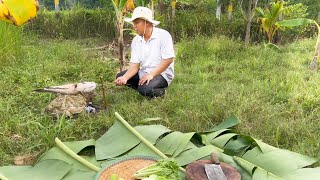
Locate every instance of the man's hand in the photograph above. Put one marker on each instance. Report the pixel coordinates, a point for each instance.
(146, 79)
(121, 81)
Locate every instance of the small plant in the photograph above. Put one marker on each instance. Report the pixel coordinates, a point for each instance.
(269, 18)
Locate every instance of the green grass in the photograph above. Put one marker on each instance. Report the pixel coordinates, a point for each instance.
(274, 93)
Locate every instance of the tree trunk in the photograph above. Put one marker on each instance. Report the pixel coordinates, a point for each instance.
(251, 6)
(120, 24)
(230, 7)
(218, 10)
(160, 6)
(248, 27)
(173, 17)
(314, 63)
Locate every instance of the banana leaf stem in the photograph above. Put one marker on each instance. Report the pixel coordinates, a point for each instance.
(75, 156)
(143, 139)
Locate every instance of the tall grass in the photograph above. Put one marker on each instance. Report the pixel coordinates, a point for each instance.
(272, 92)
(10, 43)
(75, 23)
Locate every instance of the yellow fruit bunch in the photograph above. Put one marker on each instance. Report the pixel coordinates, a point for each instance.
(18, 12)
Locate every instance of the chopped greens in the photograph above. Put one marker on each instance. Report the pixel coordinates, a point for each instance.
(162, 170)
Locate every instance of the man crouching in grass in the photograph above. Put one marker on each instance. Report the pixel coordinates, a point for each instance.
(151, 67)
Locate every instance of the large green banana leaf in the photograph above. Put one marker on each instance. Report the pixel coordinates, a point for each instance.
(295, 22)
(276, 164)
(48, 170)
(76, 146)
(116, 141)
(111, 144)
(196, 154)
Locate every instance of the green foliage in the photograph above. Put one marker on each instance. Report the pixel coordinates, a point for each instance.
(269, 17)
(293, 11)
(76, 23)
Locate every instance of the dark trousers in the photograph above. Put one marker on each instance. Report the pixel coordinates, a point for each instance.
(155, 88)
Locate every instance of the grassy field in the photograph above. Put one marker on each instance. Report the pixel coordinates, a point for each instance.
(273, 93)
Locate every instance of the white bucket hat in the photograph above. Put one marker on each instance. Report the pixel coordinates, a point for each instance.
(142, 13)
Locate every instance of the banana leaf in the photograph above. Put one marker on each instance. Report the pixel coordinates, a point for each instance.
(142, 150)
(265, 148)
(184, 144)
(119, 140)
(116, 141)
(229, 159)
(49, 170)
(238, 146)
(222, 140)
(295, 22)
(231, 121)
(79, 175)
(152, 132)
(77, 146)
(169, 143)
(57, 154)
(210, 136)
(305, 174)
(195, 154)
(276, 164)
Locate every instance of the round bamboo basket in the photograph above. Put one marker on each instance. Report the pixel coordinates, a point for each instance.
(125, 168)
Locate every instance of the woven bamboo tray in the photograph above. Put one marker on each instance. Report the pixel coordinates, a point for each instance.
(125, 168)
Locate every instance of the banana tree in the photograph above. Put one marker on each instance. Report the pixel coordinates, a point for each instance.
(303, 22)
(121, 7)
(269, 18)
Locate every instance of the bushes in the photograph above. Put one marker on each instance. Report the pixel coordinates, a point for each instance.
(83, 23)
(76, 23)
